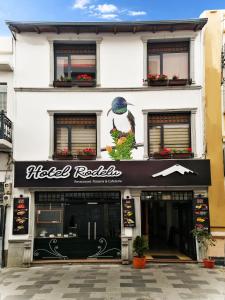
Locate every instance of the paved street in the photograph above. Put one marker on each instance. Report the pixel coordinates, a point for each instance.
(113, 282)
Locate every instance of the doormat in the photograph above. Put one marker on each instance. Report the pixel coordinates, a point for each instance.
(165, 256)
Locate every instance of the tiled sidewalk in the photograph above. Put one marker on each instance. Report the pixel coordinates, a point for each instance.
(113, 282)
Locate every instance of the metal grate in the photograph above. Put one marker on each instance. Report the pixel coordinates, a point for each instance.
(175, 196)
(67, 197)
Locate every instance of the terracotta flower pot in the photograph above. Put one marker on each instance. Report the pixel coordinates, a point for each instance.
(139, 262)
(209, 263)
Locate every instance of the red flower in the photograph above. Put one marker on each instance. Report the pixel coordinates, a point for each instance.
(165, 151)
(152, 76)
(84, 77)
(189, 150)
(87, 151)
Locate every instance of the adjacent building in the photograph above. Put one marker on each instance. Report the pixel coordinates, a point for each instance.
(108, 140)
(214, 41)
(6, 115)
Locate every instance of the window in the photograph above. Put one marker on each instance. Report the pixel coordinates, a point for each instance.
(3, 97)
(74, 133)
(72, 60)
(169, 130)
(170, 58)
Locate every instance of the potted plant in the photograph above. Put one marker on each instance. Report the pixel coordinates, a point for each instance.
(63, 82)
(182, 154)
(139, 247)
(205, 240)
(175, 81)
(157, 80)
(87, 154)
(63, 154)
(167, 153)
(84, 80)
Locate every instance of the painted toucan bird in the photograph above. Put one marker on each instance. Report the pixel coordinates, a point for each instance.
(123, 120)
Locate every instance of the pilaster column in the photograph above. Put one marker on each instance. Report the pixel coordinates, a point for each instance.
(51, 60)
(98, 79)
(51, 131)
(145, 134)
(192, 59)
(98, 150)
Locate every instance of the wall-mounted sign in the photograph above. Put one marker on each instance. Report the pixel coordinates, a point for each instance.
(20, 215)
(201, 213)
(128, 212)
(112, 173)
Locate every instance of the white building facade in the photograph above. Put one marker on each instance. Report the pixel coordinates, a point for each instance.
(145, 139)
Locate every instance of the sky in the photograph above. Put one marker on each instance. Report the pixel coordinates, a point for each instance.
(102, 10)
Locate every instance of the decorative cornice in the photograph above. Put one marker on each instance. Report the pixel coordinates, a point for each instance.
(100, 89)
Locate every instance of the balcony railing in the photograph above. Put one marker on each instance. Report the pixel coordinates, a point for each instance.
(5, 128)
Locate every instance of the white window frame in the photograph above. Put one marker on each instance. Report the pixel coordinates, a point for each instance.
(74, 40)
(193, 112)
(3, 90)
(170, 38)
(51, 127)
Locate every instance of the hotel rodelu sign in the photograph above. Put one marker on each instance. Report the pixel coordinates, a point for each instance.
(112, 173)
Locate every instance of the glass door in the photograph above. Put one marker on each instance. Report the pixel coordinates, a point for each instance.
(89, 229)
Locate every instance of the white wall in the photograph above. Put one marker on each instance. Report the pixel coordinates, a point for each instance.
(121, 57)
(32, 130)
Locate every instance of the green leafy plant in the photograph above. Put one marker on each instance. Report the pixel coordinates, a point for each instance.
(67, 79)
(123, 145)
(204, 239)
(140, 246)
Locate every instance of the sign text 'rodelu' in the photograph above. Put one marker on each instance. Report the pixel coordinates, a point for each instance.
(38, 172)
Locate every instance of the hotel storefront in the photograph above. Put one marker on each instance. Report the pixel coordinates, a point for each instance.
(93, 209)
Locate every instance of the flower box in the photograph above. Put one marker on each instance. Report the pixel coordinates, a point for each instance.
(86, 157)
(84, 83)
(178, 82)
(58, 83)
(182, 155)
(157, 155)
(62, 157)
(157, 82)
(160, 156)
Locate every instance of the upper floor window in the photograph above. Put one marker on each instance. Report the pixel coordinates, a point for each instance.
(74, 133)
(73, 60)
(3, 97)
(169, 133)
(169, 58)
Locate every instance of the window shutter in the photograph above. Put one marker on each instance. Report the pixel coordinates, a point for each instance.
(176, 136)
(168, 47)
(61, 139)
(169, 130)
(83, 137)
(75, 132)
(154, 139)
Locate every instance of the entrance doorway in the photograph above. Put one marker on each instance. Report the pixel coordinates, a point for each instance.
(167, 221)
(82, 228)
